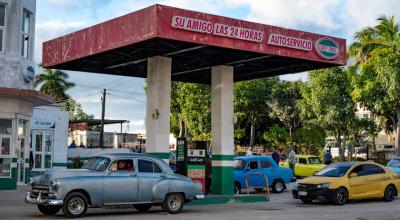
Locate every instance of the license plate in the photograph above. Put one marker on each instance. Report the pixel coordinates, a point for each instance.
(302, 193)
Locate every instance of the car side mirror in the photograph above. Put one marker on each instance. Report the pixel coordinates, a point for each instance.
(353, 175)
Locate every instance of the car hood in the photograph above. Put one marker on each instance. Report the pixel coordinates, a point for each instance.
(48, 175)
(317, 180)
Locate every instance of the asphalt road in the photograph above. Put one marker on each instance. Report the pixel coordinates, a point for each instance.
(281, 206)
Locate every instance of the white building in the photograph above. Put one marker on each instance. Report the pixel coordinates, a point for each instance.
(49, 139)
(17, 97)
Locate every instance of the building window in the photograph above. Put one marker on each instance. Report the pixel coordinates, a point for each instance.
(42, 142)
(26, 33)
(2, 26)
(5, 147)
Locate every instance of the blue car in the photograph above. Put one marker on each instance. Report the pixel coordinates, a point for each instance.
(394, 165)
(278, 177)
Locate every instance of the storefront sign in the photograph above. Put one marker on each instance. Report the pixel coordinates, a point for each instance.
(207, 27)
(28, 73)
(42, 124)
(291, 42)
(327, 48)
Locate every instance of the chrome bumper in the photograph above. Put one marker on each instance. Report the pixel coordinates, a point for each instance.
(198, 197)
(40, 201)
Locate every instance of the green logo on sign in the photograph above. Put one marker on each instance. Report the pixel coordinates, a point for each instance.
(327, 48)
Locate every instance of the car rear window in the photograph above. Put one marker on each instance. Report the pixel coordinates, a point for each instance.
(145, 166)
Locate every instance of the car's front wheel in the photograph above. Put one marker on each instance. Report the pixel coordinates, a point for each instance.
(75, 205)
(49, 210)
(340, 197)
(173, 203)
(278, 186)
(390, 193)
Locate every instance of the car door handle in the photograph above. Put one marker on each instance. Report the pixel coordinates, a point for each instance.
(134, 175)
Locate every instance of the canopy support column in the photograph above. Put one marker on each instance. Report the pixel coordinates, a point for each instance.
(222, 129)
(158, 106)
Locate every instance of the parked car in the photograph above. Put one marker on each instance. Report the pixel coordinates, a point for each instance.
(340, 182)
(306, 165)
(394, 165)
(136, 179)
(278, 177)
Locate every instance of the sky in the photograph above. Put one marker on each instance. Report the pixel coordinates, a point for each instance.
(126, 98)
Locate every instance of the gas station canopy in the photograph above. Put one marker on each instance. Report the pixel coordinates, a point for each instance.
(195, 41)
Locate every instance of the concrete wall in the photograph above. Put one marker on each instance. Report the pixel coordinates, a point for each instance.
(12, 64)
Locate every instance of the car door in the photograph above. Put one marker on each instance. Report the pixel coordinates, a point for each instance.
(269, 169)
(375, 179)
(253, 171)
(301, 166)
(358, 184)
(149, 173)
(121, 185)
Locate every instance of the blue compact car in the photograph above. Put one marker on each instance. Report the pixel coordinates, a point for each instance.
(394, 165)
(278, 177)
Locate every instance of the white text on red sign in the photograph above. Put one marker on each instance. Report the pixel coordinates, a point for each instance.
(223, 30)
(291, 42)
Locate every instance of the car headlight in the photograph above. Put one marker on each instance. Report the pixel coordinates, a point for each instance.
(323, 186)
(296, 185)
(53, 184)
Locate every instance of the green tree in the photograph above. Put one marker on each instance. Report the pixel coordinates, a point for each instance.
(310, 139)
(283, 105)
(54, 83)
(276, 136)
(328, 103)
(250, 99)
(75, 110)
(377, 87)
(384, 35)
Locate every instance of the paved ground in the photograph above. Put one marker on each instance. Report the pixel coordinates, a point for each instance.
(281, 206)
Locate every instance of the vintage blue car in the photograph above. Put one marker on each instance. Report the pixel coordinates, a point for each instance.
(278, 177)
(394, 165)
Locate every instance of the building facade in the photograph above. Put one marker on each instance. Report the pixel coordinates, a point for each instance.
(17, 97)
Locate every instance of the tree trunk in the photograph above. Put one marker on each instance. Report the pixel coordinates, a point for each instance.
(339, 145)
(397, 138)
(252, 133)
(342, 157)
(291, 135)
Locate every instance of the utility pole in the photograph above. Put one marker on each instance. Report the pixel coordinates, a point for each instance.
(103, 110)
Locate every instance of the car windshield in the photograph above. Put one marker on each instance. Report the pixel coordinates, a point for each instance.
(334, 170)
(314, 160)
(394, 163)
(97, 163)
(238, 164)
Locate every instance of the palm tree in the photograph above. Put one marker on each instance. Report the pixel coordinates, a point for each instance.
(54, 83)
(386, 34)
(388, 31)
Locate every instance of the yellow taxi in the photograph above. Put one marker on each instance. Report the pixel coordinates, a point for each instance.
(306, 165)
(340, 182)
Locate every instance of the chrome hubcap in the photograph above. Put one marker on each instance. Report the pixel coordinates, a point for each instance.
(76, 205)
(174, 202)
(278, 186)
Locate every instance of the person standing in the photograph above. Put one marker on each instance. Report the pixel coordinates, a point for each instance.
(275, 157)
(292, 160)
(73, 145)
(327, 157)
(249, 152)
